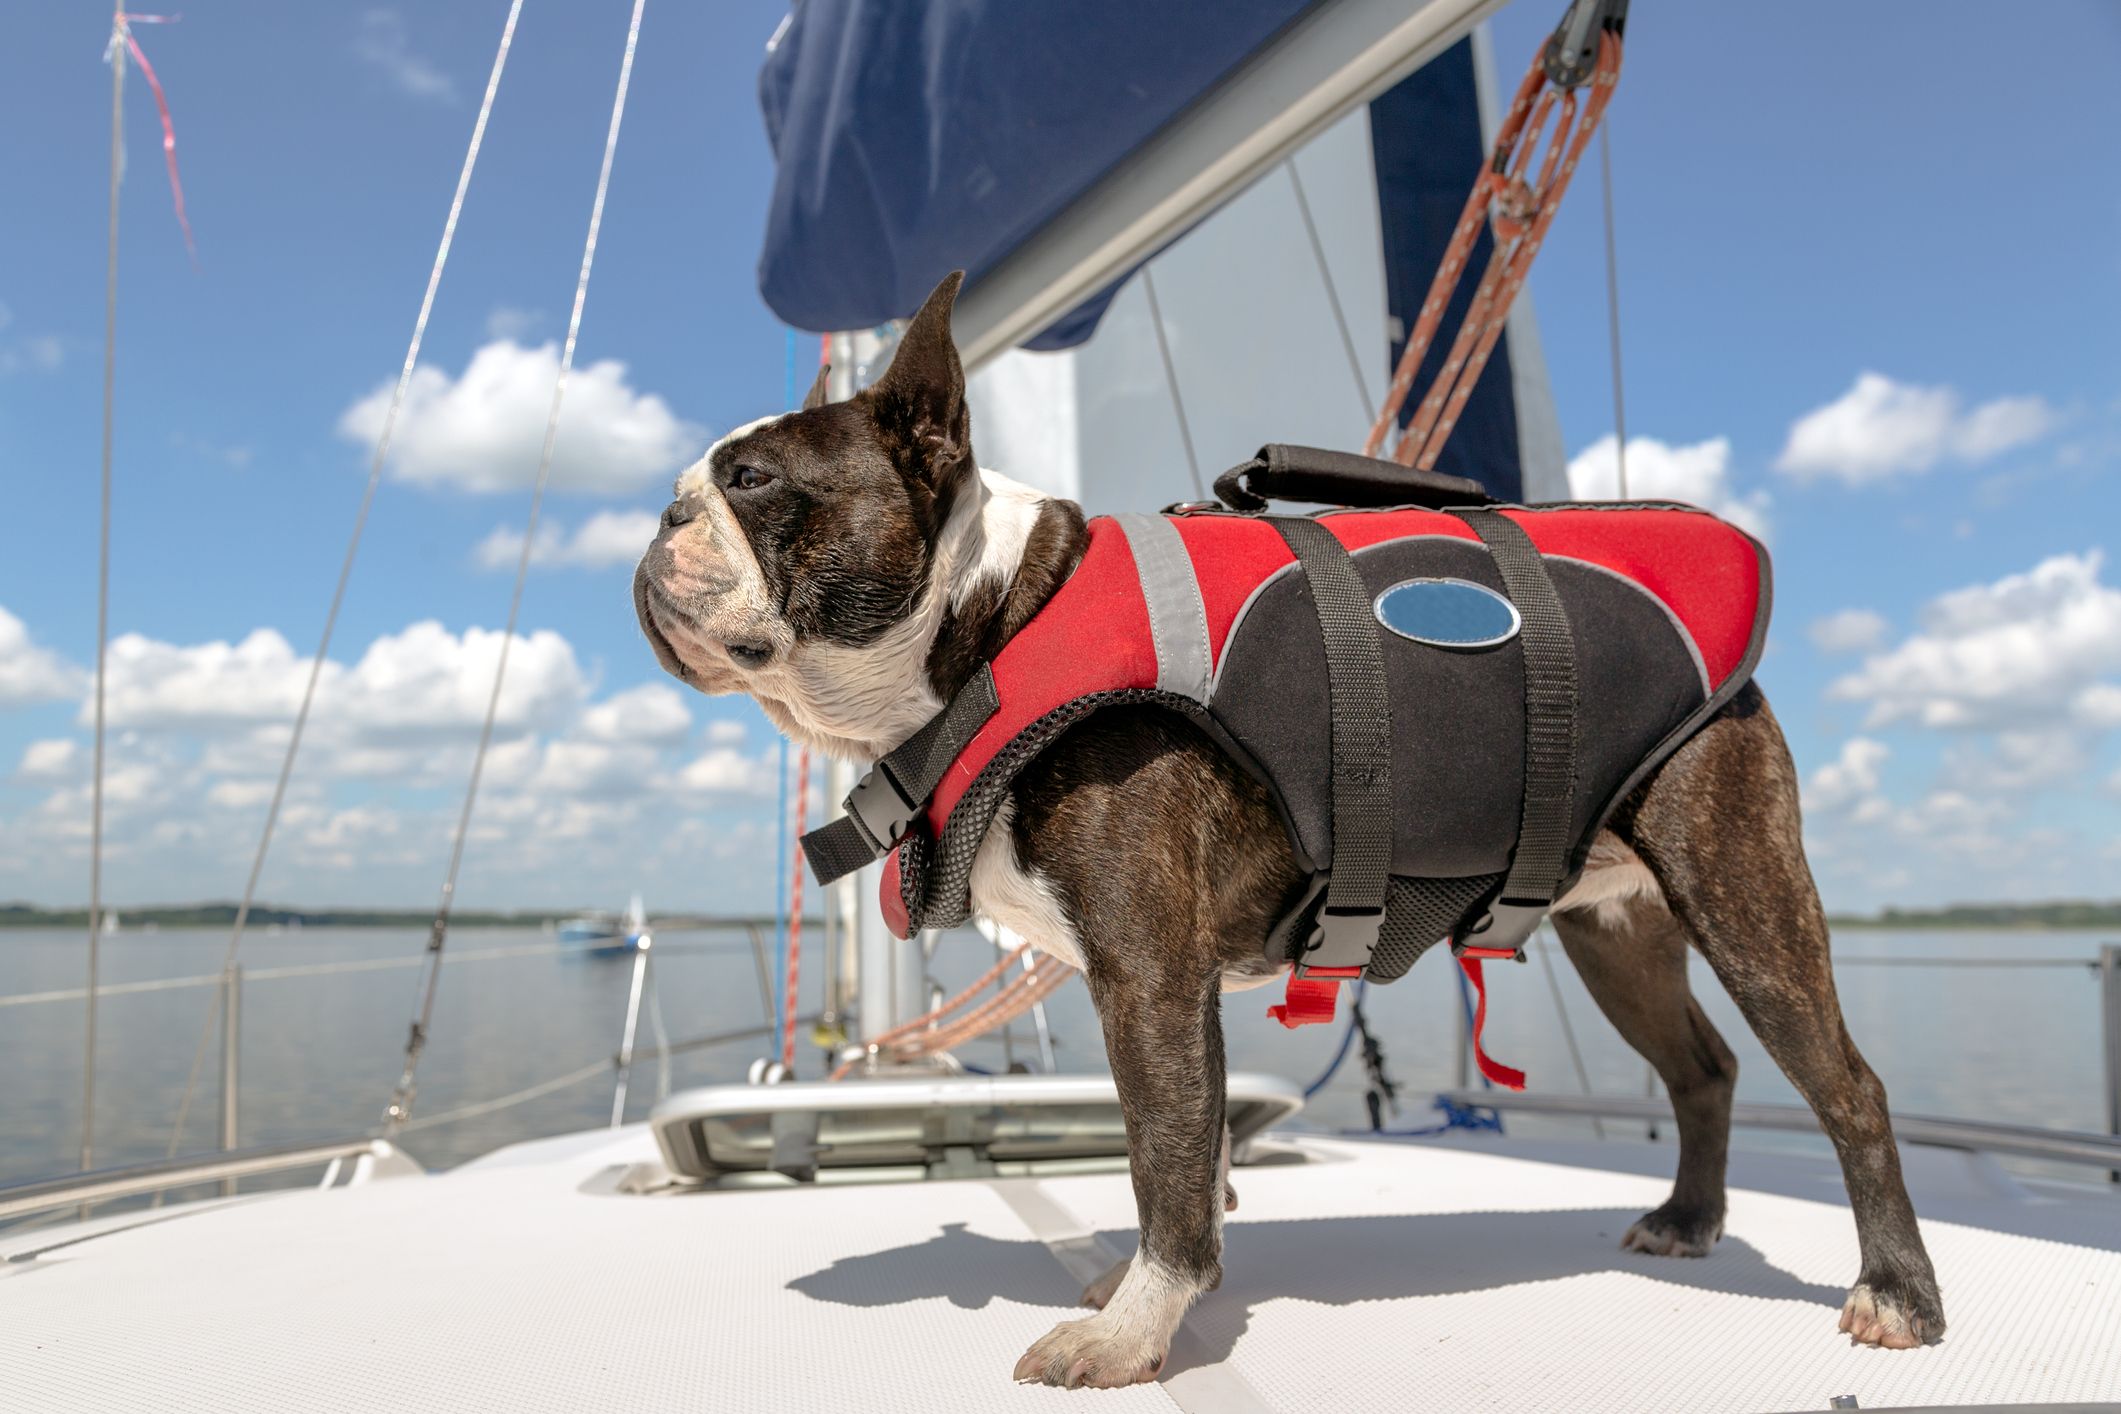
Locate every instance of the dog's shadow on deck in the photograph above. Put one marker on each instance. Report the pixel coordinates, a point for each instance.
(1333, 1261)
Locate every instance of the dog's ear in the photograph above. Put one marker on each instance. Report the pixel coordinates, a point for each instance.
(815, 398)
(921, 397)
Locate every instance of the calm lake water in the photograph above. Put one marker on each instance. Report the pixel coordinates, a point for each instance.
(320, 1054)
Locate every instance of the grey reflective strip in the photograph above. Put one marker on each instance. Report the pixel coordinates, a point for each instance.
(1178, 620)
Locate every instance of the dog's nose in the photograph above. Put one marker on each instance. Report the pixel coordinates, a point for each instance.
(679, 512)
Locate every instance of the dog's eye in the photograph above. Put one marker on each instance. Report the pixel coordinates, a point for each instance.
(748, 478)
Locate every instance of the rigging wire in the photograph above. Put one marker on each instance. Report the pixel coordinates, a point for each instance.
(1568, 1030)
(110, 381)
(353, 546)
(402, 1096)
(1178, 402)
(795, 922)
(1612, 306)
(1340, 316)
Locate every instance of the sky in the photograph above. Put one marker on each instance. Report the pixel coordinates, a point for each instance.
(1870, 285)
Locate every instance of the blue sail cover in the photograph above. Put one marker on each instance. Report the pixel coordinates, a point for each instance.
(916, 137)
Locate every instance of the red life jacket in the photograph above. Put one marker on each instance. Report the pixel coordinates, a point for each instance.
(1663, 609)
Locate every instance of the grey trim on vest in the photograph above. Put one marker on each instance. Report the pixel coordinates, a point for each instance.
(1679, 627)
(1178, 618)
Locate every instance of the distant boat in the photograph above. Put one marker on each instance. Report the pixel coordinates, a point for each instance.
(607, 934)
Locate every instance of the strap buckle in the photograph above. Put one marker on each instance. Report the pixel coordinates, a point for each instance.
(880, 809)
(1342, 941)
(1503, 932)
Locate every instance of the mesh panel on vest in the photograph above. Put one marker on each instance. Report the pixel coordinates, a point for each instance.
(1418, 914)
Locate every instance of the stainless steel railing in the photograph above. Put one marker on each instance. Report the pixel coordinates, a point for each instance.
(2021, 1141)
(371, 1156)
(233, 1163)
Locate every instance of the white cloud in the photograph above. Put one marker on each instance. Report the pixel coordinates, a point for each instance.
(484, 431)
(2018, 761)
(1699, 474)
(383, 44)
(1881, 428)
(418, 684)
(606, 539)
(2098, 706)
(1849, 631)
(725, 732)
(652, 713)
(29, 673)
(2019, 651)
(1850, 779)
(724, 770)
(35, 353)
(508, 322)
(52, 760)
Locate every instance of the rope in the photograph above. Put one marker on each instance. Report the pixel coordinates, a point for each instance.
(1612, 305)
(781, 854)
(1178, 402)
(543, 1087)
(1455, 1116)
(110, 384)
(795, 920)
(1340, 316)
(353, 546)
(1522, 209)
(1340, 1053)
(1568, 1031)
(927, 1034)
(402, 1097)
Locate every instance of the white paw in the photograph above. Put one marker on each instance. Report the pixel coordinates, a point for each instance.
(1099, 1293)
(1102, 1351)
(1871, 1318)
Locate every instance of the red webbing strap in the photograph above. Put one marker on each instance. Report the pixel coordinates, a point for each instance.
(1311, 995)
(1495, 1071)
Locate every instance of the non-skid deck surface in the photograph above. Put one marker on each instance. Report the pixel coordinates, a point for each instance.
(1373, 1277)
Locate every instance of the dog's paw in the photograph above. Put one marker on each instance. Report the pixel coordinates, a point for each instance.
(1098, 1292)
(1100, 1352)
(1894, 1321)
(1673, 1232)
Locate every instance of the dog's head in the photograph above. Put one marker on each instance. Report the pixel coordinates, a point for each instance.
(802, 557)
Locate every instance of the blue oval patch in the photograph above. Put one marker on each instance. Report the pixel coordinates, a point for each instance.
(1448, 613)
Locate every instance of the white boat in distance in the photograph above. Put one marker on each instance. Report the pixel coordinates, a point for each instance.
(607, 934)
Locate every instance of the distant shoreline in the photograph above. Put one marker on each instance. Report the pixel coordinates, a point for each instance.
(1993, 917)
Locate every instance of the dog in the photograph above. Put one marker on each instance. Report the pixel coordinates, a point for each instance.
(850, 566)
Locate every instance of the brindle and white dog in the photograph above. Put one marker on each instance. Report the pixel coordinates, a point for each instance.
(849, 566)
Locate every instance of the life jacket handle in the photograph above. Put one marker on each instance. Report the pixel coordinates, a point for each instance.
(1283, 471)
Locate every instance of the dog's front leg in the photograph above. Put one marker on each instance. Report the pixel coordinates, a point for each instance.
(1163, 1035)
(1098, 1294)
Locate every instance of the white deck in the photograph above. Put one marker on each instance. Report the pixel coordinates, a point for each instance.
(1475, 1274)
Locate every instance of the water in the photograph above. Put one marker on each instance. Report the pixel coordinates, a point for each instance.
(320, 1054)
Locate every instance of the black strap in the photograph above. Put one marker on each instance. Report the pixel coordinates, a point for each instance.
(881, 807)
(1361, 749)
(1285, 472)
(1545, 832)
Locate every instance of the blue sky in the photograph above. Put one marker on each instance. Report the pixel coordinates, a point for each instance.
(1914, 192)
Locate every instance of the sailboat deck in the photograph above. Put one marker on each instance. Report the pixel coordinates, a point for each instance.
(1472, 1274)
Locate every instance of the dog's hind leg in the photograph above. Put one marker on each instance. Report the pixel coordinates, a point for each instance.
(1632, 955)
(1719, 827)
